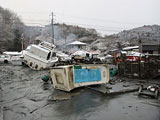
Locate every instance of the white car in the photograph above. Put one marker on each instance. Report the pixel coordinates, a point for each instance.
(5, 58)
(63, 57)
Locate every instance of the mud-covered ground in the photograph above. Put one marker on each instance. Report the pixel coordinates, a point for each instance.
(24, 96)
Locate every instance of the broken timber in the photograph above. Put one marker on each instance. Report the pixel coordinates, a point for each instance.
(111, 91)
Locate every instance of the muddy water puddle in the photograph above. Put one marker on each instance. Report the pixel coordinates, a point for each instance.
(24, 96)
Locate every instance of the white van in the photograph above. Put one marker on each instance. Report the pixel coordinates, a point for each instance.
(15, 57)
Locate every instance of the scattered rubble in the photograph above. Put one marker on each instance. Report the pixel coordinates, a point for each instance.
(24, 96)
(151, 91)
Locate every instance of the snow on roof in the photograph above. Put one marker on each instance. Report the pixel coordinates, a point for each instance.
(12, 53)
(130, 48)
(77, 43)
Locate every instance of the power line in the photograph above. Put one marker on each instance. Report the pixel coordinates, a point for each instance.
(97, 27)
(87, 18)
(36, 20)
(82, 24)
(93, 25)
(100, 20)
(100, 27)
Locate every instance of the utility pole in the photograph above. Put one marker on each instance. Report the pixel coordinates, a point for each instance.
(22, 42)
(52, 29)
(140, 43)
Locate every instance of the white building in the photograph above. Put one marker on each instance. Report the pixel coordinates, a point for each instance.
(76, 45)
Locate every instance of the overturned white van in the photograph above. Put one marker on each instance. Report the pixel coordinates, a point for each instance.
(40, 56)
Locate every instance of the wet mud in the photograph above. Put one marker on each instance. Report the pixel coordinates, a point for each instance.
(24, 96)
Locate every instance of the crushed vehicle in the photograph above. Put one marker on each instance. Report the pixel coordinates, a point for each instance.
(41, 56)
(63, 58)
(93, 58)
(107, 59)
(86, 57)
(80, 56)
(152, 91)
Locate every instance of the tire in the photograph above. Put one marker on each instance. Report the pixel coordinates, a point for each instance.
(23, 64)
(6, 61)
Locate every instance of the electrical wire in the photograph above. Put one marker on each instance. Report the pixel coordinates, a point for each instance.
(85, 18)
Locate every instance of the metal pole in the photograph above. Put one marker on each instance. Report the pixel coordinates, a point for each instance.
(139, 66)
(22, 42)
(52, 29)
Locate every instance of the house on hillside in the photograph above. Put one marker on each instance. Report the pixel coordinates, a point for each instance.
(76, 45)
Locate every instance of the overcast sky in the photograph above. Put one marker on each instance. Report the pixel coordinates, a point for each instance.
(107, 16)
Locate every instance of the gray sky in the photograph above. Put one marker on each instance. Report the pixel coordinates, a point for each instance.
(107, 16)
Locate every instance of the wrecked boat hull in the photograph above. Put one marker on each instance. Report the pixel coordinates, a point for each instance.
(38, 64)
(69, 77)
(40, 56)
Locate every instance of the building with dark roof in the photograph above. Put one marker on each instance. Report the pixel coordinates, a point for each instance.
(149, 48)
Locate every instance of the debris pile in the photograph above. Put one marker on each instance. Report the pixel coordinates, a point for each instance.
(147, 66)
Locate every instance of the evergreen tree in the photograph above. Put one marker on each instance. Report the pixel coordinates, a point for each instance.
(17, 40)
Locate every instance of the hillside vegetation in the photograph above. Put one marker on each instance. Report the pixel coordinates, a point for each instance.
(11, 29)
(149, 34)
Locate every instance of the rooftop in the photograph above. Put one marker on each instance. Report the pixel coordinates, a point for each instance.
(77, 43)
(131, 47)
